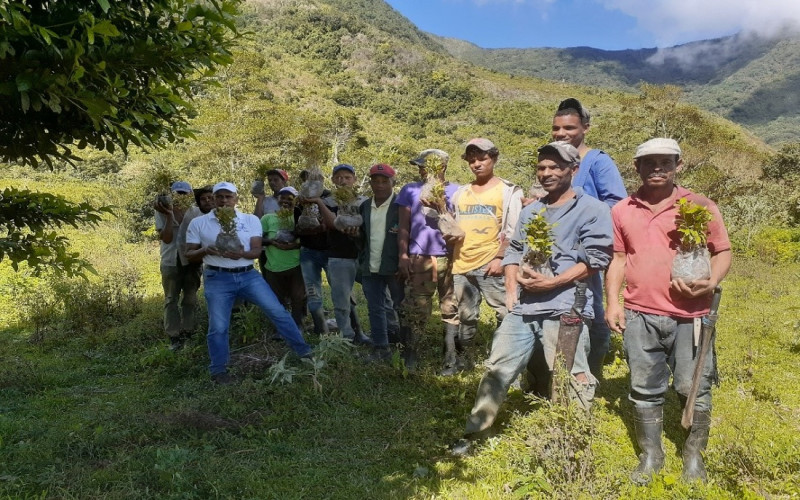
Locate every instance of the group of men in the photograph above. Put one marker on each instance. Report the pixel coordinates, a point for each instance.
(402, 258)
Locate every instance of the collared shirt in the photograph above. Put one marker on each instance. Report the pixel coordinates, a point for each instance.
(203, 231)
(582, 234)
(650, 242)
(169, 251)
(377, 232)
(424, 237)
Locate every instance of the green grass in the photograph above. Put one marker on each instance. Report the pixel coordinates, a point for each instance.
(93, 405)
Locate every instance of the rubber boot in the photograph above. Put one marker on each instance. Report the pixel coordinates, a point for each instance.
(695, 445)
(320, 324)
(648, 423)
(449, 367)
(359, 338)
(409, 351)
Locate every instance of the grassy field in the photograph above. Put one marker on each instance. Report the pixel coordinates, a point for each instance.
(93, 405)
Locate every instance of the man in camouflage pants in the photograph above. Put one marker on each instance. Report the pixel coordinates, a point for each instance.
(424, 261)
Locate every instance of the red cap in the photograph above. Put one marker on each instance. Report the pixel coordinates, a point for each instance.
(279, 171)
(382, 169)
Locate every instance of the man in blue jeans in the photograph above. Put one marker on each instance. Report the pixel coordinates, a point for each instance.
(599, 178)
(229, 275)
(537, 299)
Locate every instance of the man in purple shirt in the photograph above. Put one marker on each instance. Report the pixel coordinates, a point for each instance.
(424, 262)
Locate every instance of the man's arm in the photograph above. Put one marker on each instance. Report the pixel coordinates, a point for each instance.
(615, 276)
(536, 283)
(259, 210)
(403, 231)
(608, 181)
(510, 273)
(195, 253)
(166, 233)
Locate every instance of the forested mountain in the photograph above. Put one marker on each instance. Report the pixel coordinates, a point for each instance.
(322, 81)
(750, 79)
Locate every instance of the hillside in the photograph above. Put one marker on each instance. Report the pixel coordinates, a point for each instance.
(748, 79)
(322, 81)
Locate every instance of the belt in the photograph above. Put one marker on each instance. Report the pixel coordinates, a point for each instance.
(230, 269)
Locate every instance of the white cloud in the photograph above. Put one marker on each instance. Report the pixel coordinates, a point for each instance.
(676, 21)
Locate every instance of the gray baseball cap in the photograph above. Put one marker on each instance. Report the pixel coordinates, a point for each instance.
(564, 150)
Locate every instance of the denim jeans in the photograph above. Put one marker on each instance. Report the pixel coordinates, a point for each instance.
(375, 287)
(468, 288)
(599, 333)
(341, 277)
(179, 314)
(312, 263)
(221, 290)
(657, 345)
(512, 348)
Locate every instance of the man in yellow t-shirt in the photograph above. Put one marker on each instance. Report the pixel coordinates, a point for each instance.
(487, 210)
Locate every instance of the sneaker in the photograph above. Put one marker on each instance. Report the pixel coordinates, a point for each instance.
(176, 343)
(379, 355)
(461, 448)
(223, 378)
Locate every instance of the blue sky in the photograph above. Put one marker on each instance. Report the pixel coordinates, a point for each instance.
(603, 24)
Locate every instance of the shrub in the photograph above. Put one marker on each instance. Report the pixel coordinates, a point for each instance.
(778, 244)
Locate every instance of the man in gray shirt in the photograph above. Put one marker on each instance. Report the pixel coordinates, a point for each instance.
(581, 246)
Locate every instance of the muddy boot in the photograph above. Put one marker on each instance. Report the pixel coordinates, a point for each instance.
(648, 423)
(695, 445)
(320, 324)
(449, 367)
(409, 350)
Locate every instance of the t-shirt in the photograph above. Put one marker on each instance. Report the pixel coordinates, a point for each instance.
(277, 259)
(270, 204)
(599, 177)
(424, 237)
(650, 242)
(188, 217)
(340, 245)
(169, 251)
(203, 231)
(480, 215)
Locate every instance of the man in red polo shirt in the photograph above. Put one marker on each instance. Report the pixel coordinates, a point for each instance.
(659, 313)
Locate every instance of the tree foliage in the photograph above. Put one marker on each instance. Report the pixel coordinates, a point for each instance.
(102, 73)
(29, 224)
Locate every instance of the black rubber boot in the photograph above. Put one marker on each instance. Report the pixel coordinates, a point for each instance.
(449, 367)
(409, 350)
(695, 445)
(360, 338)
(648, 423)
(320, 324)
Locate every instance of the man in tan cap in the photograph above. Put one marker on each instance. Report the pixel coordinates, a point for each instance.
(486, 210)
(659, 312)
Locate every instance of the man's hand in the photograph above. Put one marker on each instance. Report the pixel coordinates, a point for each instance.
(451, 240)
(692, 289)
(353, 231)
(532, 281)
(404, 267)
(615, 317)
(164, 209)
(494, 267)
(282, 245)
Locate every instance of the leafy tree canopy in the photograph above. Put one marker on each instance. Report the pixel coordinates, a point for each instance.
(104, 73)
(101, 73)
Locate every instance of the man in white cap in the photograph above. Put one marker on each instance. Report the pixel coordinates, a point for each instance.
(180, 279)
(537, 298)
(486, 210)
(229, 274)
(599, 178)
(658, 318)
